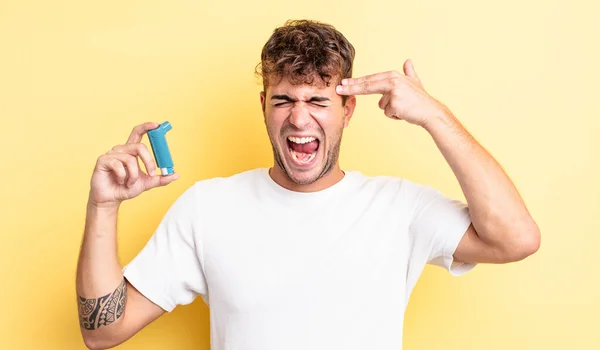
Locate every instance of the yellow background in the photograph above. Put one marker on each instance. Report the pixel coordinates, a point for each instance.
(523, 77)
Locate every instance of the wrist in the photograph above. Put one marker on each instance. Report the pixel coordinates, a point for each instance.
(102, 208)
(101, 220)
(440, 119)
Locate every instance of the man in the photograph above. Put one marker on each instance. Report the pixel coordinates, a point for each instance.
(303, 255)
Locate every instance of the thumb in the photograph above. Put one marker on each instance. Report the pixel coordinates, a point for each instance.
(160, 180)
(409, 70)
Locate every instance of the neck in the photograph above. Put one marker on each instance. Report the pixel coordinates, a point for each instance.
(334, 176)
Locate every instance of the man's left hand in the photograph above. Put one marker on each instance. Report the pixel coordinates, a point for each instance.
(404, 97)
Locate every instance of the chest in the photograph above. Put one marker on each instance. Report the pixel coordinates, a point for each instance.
(268, 259)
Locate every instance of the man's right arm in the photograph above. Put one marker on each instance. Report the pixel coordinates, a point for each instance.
(110, 309)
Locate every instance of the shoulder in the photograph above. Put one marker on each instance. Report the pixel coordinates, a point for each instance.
(393, 190)
(223, 186)
(384, 183)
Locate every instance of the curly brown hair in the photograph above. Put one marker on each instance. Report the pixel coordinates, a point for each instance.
(302, 49)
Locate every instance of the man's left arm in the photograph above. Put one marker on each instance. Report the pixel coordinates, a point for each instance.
(502, 229)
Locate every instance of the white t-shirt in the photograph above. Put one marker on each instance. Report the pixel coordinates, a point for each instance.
(287, 270)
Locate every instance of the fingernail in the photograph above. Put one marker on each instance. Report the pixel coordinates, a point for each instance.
(338, 89)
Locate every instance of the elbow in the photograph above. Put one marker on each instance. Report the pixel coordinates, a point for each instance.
(528, 246)
(534, 240)
(96, 343)
(91, 343)
(525, 242)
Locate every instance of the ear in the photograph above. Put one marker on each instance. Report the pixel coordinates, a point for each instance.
(349, 109)
(263, 99)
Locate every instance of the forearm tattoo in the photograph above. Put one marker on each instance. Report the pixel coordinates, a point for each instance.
(95, 313)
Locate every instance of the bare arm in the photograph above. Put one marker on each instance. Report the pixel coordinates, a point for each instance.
(502, 229)
(110, 309)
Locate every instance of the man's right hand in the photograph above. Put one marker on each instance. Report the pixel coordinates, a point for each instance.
(117, 175)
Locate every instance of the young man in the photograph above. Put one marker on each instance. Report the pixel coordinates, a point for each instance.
(303, 255)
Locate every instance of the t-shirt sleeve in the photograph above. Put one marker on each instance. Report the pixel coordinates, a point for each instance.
(436, 227)
(168, 270)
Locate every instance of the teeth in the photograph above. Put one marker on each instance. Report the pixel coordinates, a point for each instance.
(301, 140)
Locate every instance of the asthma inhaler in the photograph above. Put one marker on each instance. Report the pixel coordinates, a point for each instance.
(158, 142)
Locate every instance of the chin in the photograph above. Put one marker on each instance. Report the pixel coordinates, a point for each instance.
(305, 177)
(304, 174)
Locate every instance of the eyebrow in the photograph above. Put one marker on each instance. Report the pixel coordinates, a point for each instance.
(289, 99)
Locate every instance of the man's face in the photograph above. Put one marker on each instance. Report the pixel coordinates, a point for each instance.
(305, 124)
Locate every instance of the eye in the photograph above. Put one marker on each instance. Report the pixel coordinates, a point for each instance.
(319, 105)
(279, 104)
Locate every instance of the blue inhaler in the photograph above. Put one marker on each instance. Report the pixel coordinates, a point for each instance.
(158, 142)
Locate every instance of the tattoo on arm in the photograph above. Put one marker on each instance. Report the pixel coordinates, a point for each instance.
(95, 313)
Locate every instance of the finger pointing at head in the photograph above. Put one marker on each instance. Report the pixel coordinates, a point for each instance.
(370, 77)
(366, 87)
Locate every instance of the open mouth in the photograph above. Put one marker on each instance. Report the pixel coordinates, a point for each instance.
(303, 150)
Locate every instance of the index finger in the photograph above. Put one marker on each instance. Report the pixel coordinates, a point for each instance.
(370, 77)
(366, 88)
(138, 132)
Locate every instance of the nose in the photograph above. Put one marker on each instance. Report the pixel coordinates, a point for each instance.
(300, 116)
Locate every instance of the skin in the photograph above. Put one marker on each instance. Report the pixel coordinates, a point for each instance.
(100, 285)
(305, 110)
(502, 229)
